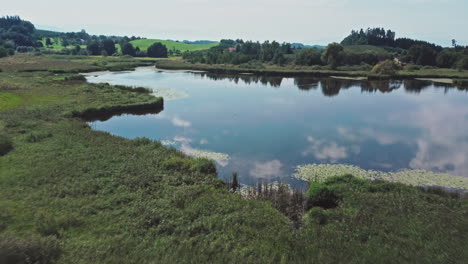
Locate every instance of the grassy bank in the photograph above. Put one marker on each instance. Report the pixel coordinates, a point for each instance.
(319, 71)
(69, 194)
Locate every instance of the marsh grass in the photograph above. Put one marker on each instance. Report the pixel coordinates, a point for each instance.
(6, 144)
(83, 196)
(320, 71)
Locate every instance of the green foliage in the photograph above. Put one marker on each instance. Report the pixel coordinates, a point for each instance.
(108, 46)
(331, 55)
(372, 36)
(321, 195)
(18, 31)
(463, 63)
(242, 52)
(184, 164)
(388, 67)
(128, 49)
(308, 57)
(421, 55)
(157, 50)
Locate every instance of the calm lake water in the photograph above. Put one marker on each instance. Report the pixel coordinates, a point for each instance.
(263, 127)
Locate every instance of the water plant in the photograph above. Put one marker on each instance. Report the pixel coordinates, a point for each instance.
(321, 172)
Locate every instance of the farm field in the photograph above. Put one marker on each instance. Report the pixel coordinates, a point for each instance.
(143, 44)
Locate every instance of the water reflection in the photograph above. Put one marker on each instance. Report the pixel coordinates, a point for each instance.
(264, 126)
(332, 86)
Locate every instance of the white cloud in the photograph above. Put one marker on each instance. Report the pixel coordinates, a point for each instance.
(267, 170)
(329, 151)
(176, 121)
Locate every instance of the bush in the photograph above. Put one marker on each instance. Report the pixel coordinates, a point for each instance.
(321, 195)
(412, 67)
(6, 145)
(463, 64)
(316, 215)
(3, 52)
(177, 164)
(75, 77)
(28, 249)
(388, 67)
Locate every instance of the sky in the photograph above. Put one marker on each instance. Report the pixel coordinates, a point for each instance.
(306, 21)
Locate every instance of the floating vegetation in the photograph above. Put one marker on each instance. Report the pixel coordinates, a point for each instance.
(436, 80)
(321, 172)
(220, 158)
(168, 94)
(168, 142)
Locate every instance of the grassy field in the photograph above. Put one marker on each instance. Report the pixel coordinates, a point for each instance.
(69, 194)
(145, 43)
(57, 44)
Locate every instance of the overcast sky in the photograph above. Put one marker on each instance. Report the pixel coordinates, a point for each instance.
(306, 21)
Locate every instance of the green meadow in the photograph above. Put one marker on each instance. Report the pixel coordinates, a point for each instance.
(143, 44)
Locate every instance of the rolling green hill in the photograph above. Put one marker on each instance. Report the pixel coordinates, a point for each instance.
(145, 43)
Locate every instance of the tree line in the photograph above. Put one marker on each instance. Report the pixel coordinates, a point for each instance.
(335, 55)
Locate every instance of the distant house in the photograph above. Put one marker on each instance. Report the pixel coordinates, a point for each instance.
(232, 49)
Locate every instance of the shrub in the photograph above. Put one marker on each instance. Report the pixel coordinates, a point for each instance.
(75, 77)
(412, 67)
(177, 164)
(387, 67)
(3, 52)
(6, 145)
(29, 249)
(316, 215)
(321, 195)
(463, 64)
(204, 166)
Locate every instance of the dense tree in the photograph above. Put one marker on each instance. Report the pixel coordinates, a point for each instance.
(422, 55)
(108, 46)
(48, 42)
(447, 58)
(65, 42)
(128, 49)
(157, 50)
(372, 36)
(18, 31)
(331, 54)
(94, 47)
(308, 57)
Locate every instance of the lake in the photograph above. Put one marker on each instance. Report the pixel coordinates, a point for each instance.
(263, 127)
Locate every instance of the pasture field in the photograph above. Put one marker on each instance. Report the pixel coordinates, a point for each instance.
(145, 43)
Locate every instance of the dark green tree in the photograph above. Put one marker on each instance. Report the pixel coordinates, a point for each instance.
(128, 49)
(48, 42)
(234, 181)
(109, 46)
(94, 48)
(331, 54)
(157, 50)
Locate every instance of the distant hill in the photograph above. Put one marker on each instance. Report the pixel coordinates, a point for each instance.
(199, 42)
(143, 44)
(303, 46)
